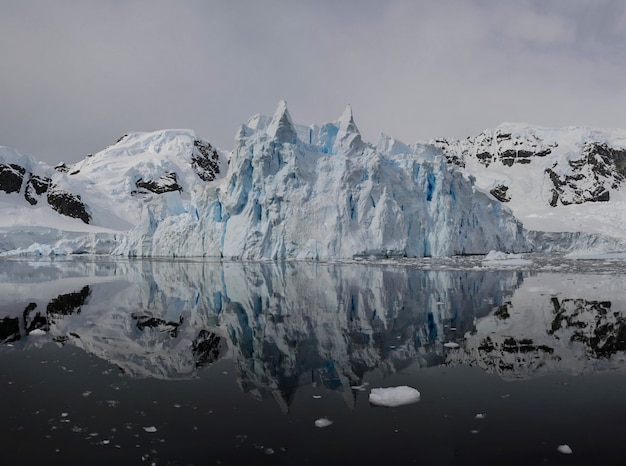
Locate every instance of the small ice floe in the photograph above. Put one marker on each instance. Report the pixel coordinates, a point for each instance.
(317, 397)
(394, 396)
(499, 258)
(451, 345)
(323, 422)
(480, 416)
(565, 449)
(150, 429)
(360, 388)
(37, 332)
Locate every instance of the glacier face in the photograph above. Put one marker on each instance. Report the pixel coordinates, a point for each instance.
(321, 192)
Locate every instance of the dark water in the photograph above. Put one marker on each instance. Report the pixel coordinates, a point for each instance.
(157, 362)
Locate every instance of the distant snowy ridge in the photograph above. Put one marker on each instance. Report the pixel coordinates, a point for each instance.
(321, 192)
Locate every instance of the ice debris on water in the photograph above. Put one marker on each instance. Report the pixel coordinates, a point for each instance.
(451, 345)
(150, 429)
(323, 422)
(394, 396)
(37, 332)
(360, 388)
(481, 416)
(565, 449)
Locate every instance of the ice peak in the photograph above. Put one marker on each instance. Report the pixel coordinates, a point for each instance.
(281, 127)
(348, 136)
(346, 121)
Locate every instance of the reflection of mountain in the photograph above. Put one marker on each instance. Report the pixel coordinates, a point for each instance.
(292, 324)
(284, 323)
(574, 323)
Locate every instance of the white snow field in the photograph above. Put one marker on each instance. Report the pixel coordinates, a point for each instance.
(321, 192)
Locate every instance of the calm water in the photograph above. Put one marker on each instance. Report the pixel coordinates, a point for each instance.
(107, 361)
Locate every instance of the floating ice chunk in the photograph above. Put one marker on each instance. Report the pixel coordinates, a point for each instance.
(394, 396)
(565, 449)
(499, 258)
(481, 416)
(360, 388)
(451, 345)
(323, 422)
(317, 397)
(37, 332)
(150, 429)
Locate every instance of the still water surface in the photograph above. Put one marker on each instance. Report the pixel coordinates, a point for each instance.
(189, 362)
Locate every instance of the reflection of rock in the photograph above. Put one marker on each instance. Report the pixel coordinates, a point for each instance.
(284, 324)
(9, 329)
(600, 329)
(293, 324)
(538, 332)
(67, 304)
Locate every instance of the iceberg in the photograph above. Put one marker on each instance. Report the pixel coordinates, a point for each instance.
(394, 396)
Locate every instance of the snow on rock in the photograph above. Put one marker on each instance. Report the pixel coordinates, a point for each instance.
(394, 396)
(553, 179)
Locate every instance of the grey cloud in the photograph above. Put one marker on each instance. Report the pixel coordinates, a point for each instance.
(78, 74)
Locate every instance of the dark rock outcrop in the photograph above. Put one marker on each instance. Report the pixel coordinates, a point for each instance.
(205, 160)
(11, 178)
(500, 193)
(35, 187)
(164, 184)
(68, 204)
(599, 169)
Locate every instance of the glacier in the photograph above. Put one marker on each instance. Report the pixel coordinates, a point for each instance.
(321, 192)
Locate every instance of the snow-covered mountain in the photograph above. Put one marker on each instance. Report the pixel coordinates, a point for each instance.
(320, 192)
(555, 180)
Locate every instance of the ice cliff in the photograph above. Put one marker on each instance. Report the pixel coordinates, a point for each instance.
(322, 192)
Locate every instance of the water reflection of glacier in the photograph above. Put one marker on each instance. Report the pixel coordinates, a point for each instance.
(290, 324)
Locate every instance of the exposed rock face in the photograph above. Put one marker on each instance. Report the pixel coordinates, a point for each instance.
(165, 184)
(68, 204)
(500, 193)
(495, 145)
(599, 169)
(11, 178)
(205, 160)
(518, 164)
(35, 187)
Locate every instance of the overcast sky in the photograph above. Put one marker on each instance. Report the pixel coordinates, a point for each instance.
(76, 75)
